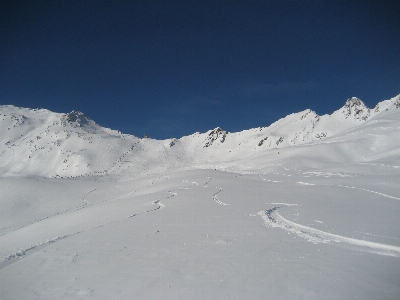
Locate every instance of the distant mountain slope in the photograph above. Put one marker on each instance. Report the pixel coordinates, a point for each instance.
(299, 128)
(44, 143)
(40, 142)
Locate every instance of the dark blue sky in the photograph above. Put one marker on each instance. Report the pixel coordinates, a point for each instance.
(171, 68)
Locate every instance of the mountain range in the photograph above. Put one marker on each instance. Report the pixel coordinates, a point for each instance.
(306, 208)
(44, 143)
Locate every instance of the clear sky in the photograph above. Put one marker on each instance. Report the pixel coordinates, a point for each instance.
(172, 68)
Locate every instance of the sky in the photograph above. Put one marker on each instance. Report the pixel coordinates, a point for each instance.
(172, 68)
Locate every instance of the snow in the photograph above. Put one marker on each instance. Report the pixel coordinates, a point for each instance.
(130, 218)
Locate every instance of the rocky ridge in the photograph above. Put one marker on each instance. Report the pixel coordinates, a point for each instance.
(40, 142)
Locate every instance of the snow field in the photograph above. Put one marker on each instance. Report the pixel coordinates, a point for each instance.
(88, 212)
(166, 237)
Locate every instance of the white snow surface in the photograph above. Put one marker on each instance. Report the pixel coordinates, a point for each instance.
(307, 208)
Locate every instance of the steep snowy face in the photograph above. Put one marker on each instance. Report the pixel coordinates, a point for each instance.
(294, 129)
(354, 110)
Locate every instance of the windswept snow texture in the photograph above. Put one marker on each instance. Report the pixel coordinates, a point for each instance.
(307, 208)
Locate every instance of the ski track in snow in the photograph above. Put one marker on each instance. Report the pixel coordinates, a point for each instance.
(305, 183)
(84, 200)
(158, 203)
(85, 205)
(53, 215)
(381, 194)
(387, 237)
(382, 165)
(205, 185)
(273, 219)
(353, 187)
(338, 185)
(269, 180)
(25, 251)
(215, 198)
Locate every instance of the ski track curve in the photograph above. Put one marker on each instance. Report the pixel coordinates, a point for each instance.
(269, 180)
(273, 219)
(14, 256)
(215, 198)
(85, 205)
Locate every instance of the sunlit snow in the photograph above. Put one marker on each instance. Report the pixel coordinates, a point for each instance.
(307, 208)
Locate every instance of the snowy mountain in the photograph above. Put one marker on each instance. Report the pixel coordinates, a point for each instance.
(304, 127)
(306, 208)
(40, 142)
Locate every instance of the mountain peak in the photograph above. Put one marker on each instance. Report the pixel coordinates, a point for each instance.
(75, 119)
(216, 134)
(355, 108)
(354, 101)
(41, 142)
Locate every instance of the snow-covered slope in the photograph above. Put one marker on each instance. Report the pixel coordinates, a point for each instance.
(220, 217)
(299, 128)
(40, 142)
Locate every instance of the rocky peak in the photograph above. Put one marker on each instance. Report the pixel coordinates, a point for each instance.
(355, 107)
(216, 134)
(354, 101)
(75, 119)
(396, 102)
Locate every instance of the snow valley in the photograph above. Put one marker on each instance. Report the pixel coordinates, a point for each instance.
(306, 208)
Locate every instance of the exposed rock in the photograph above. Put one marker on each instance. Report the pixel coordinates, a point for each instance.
(74, 119)
(355, 108)
(215, 135)
(262, 141)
